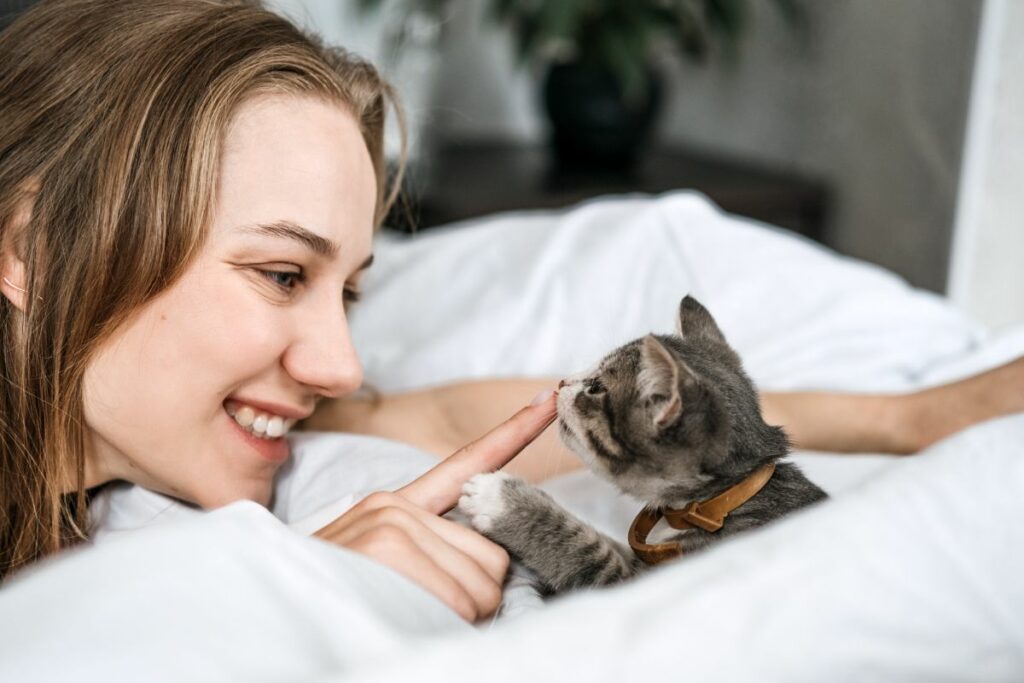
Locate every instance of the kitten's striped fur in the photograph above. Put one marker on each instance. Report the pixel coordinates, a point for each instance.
(667, 419)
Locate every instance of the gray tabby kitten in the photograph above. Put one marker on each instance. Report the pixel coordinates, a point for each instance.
(668, 420)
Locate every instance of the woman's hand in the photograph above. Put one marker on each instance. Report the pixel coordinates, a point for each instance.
(439, 419)
(403, 529)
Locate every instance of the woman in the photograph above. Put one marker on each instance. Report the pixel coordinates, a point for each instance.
(188, 193)
(161, 289)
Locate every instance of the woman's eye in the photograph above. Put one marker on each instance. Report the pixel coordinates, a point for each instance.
(285, 279)
(351, 296)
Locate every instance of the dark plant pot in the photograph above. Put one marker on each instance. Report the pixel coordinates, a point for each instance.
(592, 122)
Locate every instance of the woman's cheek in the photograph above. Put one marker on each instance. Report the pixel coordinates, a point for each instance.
(245, 332)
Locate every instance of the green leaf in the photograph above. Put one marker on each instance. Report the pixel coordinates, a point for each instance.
(529, 37)
(627, 64)
(620, 34)
(562, 19)
(368, 6)
(690, 33)
(727, 17)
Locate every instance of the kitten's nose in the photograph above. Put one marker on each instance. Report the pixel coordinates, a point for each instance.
(561, 383)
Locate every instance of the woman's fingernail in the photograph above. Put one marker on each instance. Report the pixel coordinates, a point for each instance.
(541, 397)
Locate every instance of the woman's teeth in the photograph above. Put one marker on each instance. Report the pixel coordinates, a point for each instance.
(263, 425)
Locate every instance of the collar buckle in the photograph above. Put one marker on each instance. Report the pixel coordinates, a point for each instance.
(694, 515)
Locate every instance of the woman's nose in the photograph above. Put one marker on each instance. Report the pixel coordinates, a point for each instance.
(325, 359)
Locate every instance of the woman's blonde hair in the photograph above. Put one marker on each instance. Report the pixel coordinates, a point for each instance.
(112, 114)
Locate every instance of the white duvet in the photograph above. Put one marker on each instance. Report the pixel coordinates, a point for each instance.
(911, 572)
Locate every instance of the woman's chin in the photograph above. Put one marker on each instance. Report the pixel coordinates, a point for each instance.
(258, 492)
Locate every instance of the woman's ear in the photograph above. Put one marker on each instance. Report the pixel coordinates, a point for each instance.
(12, 238)
(12, 279)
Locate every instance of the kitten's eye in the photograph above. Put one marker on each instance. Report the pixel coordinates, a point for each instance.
(595, 388)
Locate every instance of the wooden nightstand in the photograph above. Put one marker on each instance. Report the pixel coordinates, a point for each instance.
(470, 180)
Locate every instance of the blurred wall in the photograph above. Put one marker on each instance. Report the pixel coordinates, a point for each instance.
(874, 100)
(9, 9)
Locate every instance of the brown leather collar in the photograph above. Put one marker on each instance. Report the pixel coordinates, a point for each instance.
(708, 515)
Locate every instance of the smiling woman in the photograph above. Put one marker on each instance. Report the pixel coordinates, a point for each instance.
(188, 194)
(188, 191)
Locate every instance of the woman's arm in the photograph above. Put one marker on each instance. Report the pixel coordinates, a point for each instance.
(895, 423)
(442, 419)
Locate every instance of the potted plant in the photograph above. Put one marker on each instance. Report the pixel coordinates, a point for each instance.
(602, 88)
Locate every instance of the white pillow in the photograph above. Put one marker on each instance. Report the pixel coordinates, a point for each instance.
(548, 293)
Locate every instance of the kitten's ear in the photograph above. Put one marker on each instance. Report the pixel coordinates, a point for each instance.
(695, 321)
(660, 372)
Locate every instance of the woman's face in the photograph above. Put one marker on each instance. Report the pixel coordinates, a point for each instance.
(256, 326)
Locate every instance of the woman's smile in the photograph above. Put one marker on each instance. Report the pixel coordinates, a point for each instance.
(263, 420)
(273, 449)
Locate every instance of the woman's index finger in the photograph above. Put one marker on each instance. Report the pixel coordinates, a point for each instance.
(438, 489)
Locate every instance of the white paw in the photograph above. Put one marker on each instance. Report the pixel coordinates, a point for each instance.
(483, 499)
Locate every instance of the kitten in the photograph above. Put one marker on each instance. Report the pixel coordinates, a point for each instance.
(668, 420)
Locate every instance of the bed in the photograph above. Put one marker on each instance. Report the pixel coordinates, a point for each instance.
(910, 572)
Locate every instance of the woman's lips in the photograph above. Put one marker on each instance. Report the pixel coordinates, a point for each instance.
(272, 450)
(283, 410)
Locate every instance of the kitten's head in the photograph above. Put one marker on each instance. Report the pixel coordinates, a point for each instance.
(669, 418)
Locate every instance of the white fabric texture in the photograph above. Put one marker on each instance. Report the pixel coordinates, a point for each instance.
(905, 579)
(545, 293)
(910, 573)
(230, 595)
(326, 475)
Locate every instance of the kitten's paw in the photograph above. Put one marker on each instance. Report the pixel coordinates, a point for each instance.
(483, 499)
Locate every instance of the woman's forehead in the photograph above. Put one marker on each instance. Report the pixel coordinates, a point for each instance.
(301, 161)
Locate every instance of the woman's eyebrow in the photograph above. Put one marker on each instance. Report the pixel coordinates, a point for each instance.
(288, 230)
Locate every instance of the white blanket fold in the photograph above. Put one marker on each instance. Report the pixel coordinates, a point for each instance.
(916, 576)
(230, 595)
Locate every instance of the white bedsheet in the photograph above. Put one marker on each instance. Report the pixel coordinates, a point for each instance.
(904, 579)
(231, 595)
(910, 573)
(543, 293)
(912, 576)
